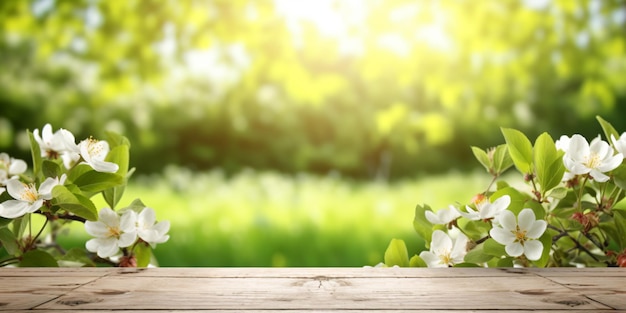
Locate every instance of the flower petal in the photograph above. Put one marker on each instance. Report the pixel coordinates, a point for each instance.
(575, 167)
(127, 239)
(15, 188)
(13, 208)
(525, 219)
(502, 236)
(537, 229)
(598, 176)
(611, 163)
(45, 189)
(109, 217)
(128, 221)
(17, 167)
(470, 214)
(92, 245)
(431, 259)
(103, 167)
(533, 249)
(578, 148)
(108, 247)
(502, 202)
(514, 249)
(460, 249)
(440, 241)
(432, 217)
(507, 220)
(147, 217)
(97, 229)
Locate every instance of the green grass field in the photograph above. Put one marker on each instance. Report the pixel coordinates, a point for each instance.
(270, 219)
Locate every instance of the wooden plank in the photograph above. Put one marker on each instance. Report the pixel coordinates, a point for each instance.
(56, 272)
(323, 292)
(319, 289)
(315, 272)
(307, 311)
(609, 290)
(577, 272)
(24, 292)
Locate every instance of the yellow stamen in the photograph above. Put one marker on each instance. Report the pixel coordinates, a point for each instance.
(520, 235)
(593, 161)
(29, 194)
(114, 232)
(92, 147)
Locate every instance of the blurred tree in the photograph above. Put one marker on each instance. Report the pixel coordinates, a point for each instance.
(368, 88)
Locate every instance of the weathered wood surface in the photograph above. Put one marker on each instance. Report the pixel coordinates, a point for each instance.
(312, 289)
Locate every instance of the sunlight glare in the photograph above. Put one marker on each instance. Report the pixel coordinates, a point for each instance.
(347, 22)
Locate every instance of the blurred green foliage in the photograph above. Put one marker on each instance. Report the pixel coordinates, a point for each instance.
(258, 218)
(367, 88)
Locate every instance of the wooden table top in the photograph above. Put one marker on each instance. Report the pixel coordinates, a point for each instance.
(312, 289)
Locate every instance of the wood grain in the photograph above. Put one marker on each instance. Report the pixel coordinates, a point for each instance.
(312, 289)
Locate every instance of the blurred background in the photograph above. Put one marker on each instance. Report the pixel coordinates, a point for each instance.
(303, 133)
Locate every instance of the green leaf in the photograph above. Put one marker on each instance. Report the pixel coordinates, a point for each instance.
(9, 241)
(396, 254)
(119, 155)
(75, 203)
(137, 205)
(619, 217)
(558, 193)
(422, 226)
(482, 157)
(477, 255)
(608, 129)
(619, 176)
(501, 159)
(143, 254)
(506, 262)
(538, 209)
(20, 225)
(35, 153)
(92, 181)
(5, 221)
(466, 265)
(115, 140)
(520, 149)
(417, 261)
(476, 229)
(51, 169)
(492, 247)
(548, 162)
(38, 258)
(77, 255)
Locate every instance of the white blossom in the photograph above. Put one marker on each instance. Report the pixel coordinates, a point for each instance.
(10, 168)
(94, 152)
(443, 216)
(562, 143)
(27, 198)
(149, 230)
(519, 236)
(443, 252)
(594, 159)
(620, 143)
(486, 210)
(111, 232)
(59, 144)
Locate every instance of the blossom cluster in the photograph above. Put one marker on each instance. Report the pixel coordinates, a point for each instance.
(64, 177)
(568, 212)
